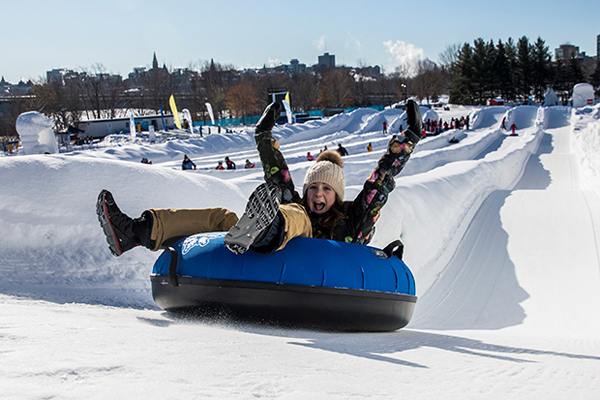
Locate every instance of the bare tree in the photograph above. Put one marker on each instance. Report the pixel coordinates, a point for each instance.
(449, 57)
(429, 81)
(60, 100)
(304, 91)
(336, 88)
(242, 100)
(216, 79)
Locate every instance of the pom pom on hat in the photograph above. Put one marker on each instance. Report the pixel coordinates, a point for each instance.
(327, 169)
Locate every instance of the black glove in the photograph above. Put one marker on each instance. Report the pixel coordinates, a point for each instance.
(268, 118)
(414, 130)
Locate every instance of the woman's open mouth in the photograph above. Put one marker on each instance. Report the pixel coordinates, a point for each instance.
(318, 206)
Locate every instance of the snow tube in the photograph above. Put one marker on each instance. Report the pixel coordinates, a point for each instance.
(311, 283)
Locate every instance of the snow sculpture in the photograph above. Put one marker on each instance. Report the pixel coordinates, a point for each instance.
(551, 98)
(583, 95)
(35, 131)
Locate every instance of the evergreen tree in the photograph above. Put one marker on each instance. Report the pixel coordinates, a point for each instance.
(560, 78)
(492, 89)
(480, 75)
(541, 72)
(502, 72)
(523, 69)
(575, 73)
(595, 79)
(462, 91)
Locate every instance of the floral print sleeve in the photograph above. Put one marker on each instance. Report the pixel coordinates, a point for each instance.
(275, 167)
(367, 206)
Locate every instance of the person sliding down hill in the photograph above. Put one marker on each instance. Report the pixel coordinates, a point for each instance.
(276, 212)
(187, 163)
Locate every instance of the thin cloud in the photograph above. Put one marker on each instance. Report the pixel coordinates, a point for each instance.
(321, 43)
(353, 42)
(404, 54)
(274, 62)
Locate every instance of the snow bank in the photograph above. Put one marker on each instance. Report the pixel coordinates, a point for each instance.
(433, 211)
(50, 230)
(586, 145)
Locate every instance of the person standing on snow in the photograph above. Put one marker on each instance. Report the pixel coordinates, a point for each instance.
(342, 150)
(276, 212)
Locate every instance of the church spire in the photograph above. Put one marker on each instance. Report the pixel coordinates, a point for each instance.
(154, 62)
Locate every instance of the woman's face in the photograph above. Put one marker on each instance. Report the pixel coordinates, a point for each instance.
(320, 197)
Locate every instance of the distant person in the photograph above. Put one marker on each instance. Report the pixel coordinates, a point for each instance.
(220, 166)
(503, 126)
(342, 150)
(309, 157)
(187, 163)
(384, 127)
(324, 149)
(513, 129)
(249, 164)
(230, 164)
(369, 147)
(146, 161)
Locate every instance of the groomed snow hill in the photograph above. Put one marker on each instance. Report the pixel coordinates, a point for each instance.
(501, 232)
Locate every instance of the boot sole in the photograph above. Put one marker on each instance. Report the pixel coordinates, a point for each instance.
(109, 232)
(263, 206)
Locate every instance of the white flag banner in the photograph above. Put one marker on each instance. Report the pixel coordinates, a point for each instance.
(288, 110)
(187, 115)
(210, 112)
(132, 125)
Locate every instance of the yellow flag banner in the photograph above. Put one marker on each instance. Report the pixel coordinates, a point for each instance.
(174, 111)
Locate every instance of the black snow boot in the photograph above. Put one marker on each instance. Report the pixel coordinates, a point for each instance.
(263, 206)
(268, 119)
(122, 232)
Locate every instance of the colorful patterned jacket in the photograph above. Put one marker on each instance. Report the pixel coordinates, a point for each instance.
(357, 223)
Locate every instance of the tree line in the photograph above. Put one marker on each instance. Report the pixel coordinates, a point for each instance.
(97, 94)
(515, 71)
(470, 73)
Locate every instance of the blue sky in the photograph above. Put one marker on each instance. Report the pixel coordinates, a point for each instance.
(36, 36)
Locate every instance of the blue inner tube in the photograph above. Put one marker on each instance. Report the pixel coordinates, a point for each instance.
(312, 283)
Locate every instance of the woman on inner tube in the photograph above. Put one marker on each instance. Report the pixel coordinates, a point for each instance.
(276, 212)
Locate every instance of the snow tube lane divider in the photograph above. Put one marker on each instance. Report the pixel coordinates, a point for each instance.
(311, 283)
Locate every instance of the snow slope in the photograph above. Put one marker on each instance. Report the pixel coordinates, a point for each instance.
(502, 234)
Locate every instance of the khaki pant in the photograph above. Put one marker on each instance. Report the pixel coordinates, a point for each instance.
(177, 223)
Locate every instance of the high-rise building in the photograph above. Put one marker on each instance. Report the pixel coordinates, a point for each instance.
(57, 75)
(566, 52)
(327, 60)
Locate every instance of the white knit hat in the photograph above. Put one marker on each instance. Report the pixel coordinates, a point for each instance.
(327, 169)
